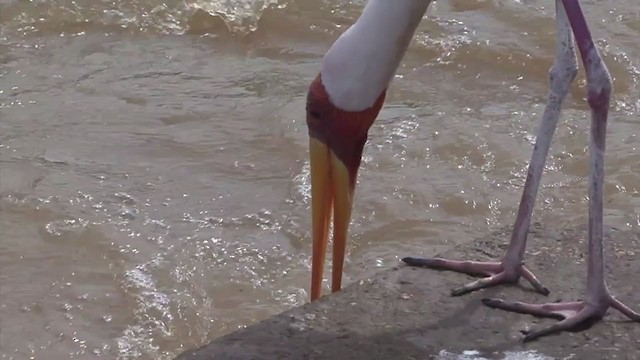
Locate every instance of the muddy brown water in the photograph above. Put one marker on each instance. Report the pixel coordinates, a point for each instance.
(154, 188)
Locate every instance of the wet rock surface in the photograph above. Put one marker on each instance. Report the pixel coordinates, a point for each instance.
(408, 313)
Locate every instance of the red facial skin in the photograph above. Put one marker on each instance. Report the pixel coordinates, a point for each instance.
(344, 132)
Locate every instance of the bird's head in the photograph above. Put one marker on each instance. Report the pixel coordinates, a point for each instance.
(342, 103)
(336, 140)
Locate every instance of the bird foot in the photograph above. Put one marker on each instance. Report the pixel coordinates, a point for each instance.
(496, 273)
(572, 315)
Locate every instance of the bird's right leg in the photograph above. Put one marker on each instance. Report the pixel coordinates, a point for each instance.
(511, 267)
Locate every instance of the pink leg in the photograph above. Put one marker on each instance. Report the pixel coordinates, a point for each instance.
(598, 298)
(511, 267)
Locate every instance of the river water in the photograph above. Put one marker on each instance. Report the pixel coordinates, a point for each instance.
(154, 181)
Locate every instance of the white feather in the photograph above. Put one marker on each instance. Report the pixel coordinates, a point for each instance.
(364, 59)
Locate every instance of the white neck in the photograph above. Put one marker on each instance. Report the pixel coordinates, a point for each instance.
(364, 59)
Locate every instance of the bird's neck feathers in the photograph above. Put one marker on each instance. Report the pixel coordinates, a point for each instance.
(359, 66)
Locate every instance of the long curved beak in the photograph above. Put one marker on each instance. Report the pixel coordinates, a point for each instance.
(332, 189)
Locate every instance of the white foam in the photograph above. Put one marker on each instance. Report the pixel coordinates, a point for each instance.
(507, 355)
(152, 313)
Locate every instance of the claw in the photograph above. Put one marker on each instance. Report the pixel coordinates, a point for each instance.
(581, 318)
(496, 273)
(558, 311)
(533, 280)
(466, 267)
(490, 281)
(624, 309)
(572, 315)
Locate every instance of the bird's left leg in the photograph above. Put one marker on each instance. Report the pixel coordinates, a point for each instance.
(511, 267)
(598, 298)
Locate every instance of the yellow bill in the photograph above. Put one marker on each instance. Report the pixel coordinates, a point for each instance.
(331, 191)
